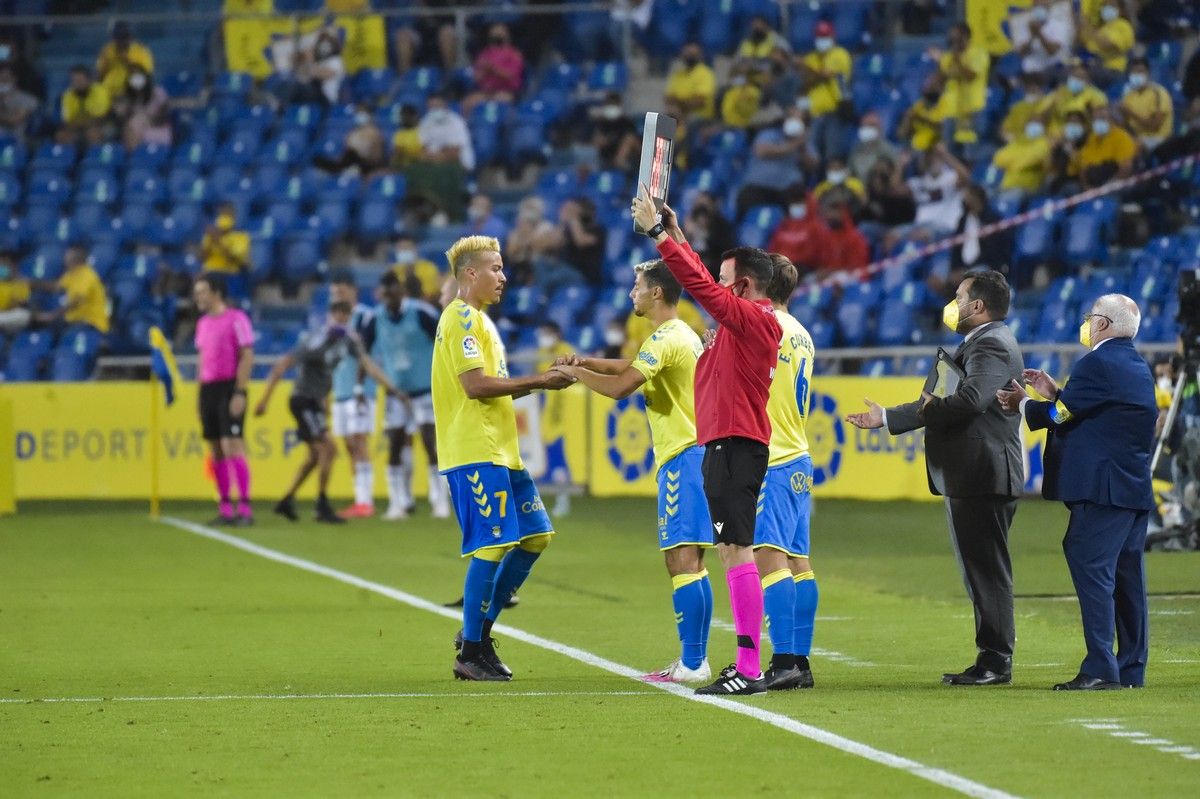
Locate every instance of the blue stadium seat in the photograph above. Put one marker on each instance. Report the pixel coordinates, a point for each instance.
(369, 85)
(563, 76)
(28, 355)
(183, 83)
(60, 157)
(850, 23)
(300, 257)
(877, 367)
(717, 26)
(611, 76)
(422, 80)
(13, 155)
(1105, 282)
(251, 123)
(376, 219)
(758, 225)
(344, 188)
(823, 334)
(39, 219)
(239, 150)
(103, 254)
(1047, 362)
(49, 187)
(10, 190)
(44, 263)
(145, 189)
(523, 303)
(897, 323)
(88, 218)
(285, 150)
(195, 153)
(138, 219)
(1035, 242)
(149, 156)
(262, 259)
(1084, 239)
(106, 156)
(1023, 323)
(236, 84)
(303, 117)
(270, 178)
(334, 218)
(853, 319)
(285, 214)
(671, 22)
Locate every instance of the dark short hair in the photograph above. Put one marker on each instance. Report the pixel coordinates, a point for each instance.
(341, 306)
(991, 287)
(656, 274)
(389, 279)
(342, 277)
(1139, 61)
(783, 282)
(550, 325)
(413, 286)
(753, 263)
(216, 284)
(80, 68)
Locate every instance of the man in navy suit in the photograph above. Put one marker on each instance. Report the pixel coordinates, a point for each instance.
(1100, 433)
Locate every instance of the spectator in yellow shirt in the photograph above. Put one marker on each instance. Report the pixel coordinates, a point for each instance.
(965, 70)
(639, 328)
(1107, 153)
(14, 296)
(840, 187)
(118, 57)
(694, 85)
(84, 299)
(1111, 43)
(86, 110)
(740, 102)
(1024, 160)
(1075, 94)
(1147, 107)
(826, 72)
(922, 122)
(756, 49)
(407, 261)
(1025, 109)
(406, 141)
(224, 248)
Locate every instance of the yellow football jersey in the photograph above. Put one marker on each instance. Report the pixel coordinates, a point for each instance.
(787, 404)
(668, 362)
(471, 431)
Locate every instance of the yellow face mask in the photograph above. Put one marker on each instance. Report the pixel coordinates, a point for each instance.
(1085, 333)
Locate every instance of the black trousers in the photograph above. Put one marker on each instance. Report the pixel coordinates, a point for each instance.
(979, 534)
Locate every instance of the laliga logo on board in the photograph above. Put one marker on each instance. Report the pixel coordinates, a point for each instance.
(630, 450)
(826, 437)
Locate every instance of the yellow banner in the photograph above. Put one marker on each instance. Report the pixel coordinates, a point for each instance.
(247, 42)
(847, 462)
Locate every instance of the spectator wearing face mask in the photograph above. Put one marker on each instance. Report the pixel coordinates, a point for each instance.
(406, 141)
(777, 161)
(826, 72)
(482, 221)
(921, 125)
(937, 191)
(582, 238)
(533, 237)
(840, 187)
(119, 57)
(362, 150)
(1027, 108)
(1111, 43)
(798, 234)
(758, 46)
(709, 232)
(965, 70)
(1024, 160)
(841, 245)
(784, 83)
(693, 85)
(16, 106)
(499, 69)
(614, 339)
(889, 201)
(1107, 153)
(439, 178)
(27, 77)
(741, 99)
(406, 262)
(224, 248)
(1146, 107)
(1044, 41)
(871, 146)
(1075, 94)
(1064, 154)
(144, 109)
(614, 135)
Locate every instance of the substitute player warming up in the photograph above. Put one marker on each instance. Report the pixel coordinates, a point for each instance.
(504, 524)
(665, 369)
(354, 399)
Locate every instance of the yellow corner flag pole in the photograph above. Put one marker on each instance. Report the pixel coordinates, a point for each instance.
(154, 425)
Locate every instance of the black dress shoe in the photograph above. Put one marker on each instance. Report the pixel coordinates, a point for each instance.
(977, 675)
(1082, 682)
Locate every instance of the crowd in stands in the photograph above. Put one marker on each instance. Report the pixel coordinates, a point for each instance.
(796, 132)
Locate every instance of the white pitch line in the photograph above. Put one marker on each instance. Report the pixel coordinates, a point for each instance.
(278, 697)
(937, 776)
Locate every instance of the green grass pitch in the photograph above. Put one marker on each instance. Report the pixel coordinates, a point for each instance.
(196, 668)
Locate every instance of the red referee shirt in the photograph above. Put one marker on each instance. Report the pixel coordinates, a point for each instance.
(733, 376)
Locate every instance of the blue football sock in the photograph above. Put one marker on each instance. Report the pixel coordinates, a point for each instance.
(688, 598)
(806, 612)
(513, 570)
(477, 593)
(779, 605)
(706, 625)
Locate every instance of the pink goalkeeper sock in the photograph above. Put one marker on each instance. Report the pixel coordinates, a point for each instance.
(241, 474)
(746, 602)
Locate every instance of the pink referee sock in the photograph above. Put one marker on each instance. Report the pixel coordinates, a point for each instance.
(746, 602)
(241, 474)
(222, 470)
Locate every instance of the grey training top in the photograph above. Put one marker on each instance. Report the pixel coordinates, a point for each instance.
(317, 353)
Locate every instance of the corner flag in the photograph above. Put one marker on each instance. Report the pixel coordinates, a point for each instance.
(162, 362)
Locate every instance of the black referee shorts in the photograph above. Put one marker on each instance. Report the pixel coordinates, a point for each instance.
(311, 422)
(733, 470)
(215, 419)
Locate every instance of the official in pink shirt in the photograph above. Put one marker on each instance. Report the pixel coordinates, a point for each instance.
(225, 343)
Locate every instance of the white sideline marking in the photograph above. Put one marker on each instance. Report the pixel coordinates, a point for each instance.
(257, 697)
(938, 776)
(1114, 729)
(828, 654)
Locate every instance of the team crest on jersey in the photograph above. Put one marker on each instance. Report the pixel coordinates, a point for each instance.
(471, 348)
(495, 532)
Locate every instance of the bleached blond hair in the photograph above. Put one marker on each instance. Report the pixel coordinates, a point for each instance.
(462, 251)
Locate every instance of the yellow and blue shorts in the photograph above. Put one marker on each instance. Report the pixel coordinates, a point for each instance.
(496, 506)
(784, 508)
(683, 518)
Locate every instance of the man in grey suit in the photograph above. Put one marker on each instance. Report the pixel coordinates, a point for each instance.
(973, 459)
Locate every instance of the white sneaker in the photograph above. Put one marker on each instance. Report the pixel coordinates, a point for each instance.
(395, 514)
(677, 672)
(440, 510)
